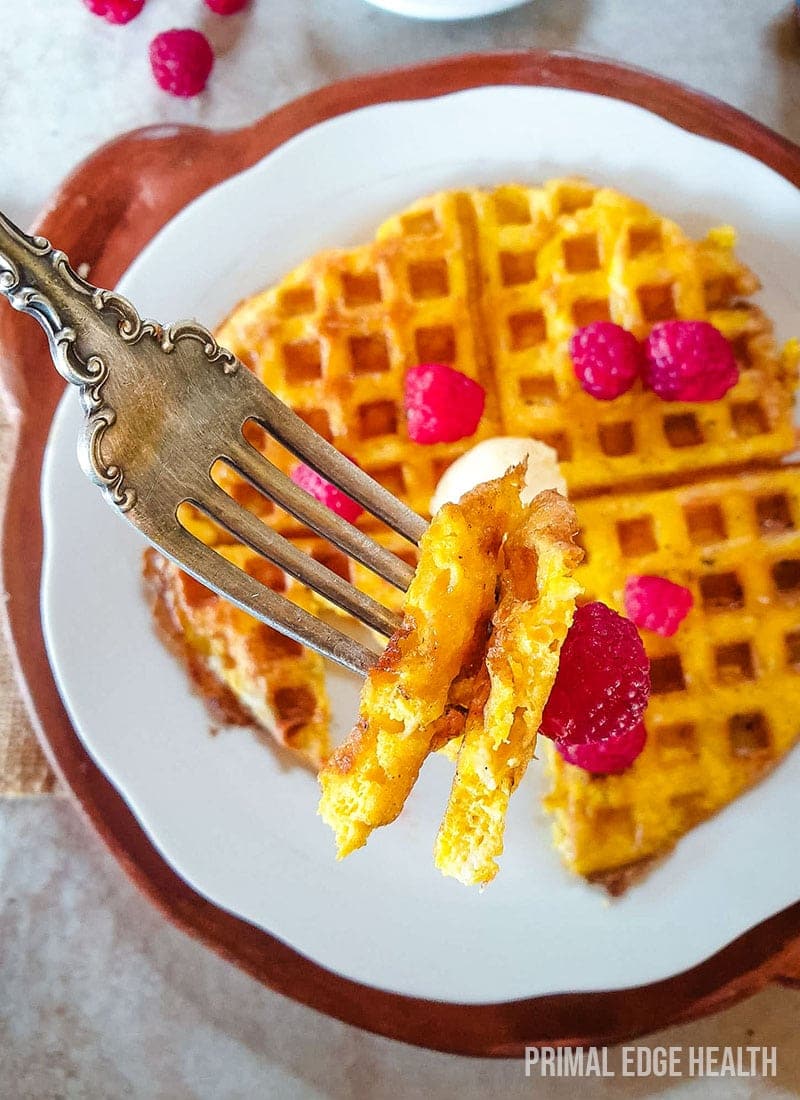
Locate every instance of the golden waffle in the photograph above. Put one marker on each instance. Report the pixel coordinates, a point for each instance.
(247, 673)
(403, 703)
(494, 282)
(336, 337)
(726, 687)
(559, 257)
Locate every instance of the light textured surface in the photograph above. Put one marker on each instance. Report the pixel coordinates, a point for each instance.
(100, 997)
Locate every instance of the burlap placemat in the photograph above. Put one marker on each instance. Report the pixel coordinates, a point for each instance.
(23, 768)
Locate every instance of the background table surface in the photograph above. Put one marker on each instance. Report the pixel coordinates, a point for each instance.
(99, 996)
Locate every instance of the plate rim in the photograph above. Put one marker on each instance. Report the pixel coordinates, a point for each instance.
(108, 231)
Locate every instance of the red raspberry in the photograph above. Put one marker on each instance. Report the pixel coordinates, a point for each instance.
(226, 7)
(603, 680)
(442, 404)
(606, 359)
(328, 494)
(689, 361)
(608, 757)
(181, 61)
(654, 603)
(115, 11)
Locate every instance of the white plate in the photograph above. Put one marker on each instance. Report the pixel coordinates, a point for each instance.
(231, 816)
(446, 9)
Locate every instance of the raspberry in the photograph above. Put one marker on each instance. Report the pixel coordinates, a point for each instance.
(115, 11)
(689, 361)
(603, 680)
(226, 7)
(607, 757)
(442, 404)
(328, 494)
(606, 359)
(181, 61)
(654, 603)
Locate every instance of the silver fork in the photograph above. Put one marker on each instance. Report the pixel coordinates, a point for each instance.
(162, 405)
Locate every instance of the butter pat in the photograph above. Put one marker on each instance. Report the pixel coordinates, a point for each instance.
(491, 459)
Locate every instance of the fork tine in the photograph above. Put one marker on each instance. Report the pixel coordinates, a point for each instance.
(232, 583)
(288, 428)
(273, 483)
(247, 528)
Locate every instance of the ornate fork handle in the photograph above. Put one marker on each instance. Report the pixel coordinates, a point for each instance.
(164, 404)
(84, 326)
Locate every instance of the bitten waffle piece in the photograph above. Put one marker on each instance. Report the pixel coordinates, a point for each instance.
(559, 257)
(725, 688)
(537, 603)
(247, 673)
(403, 704)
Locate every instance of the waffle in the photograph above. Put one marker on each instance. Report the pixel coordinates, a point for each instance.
(335, 339)
(726, 687)
(247, 673)
(567, 254)
(494, 282)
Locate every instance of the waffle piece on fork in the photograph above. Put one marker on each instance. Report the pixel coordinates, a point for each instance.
(404, 703)
(534, 612)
